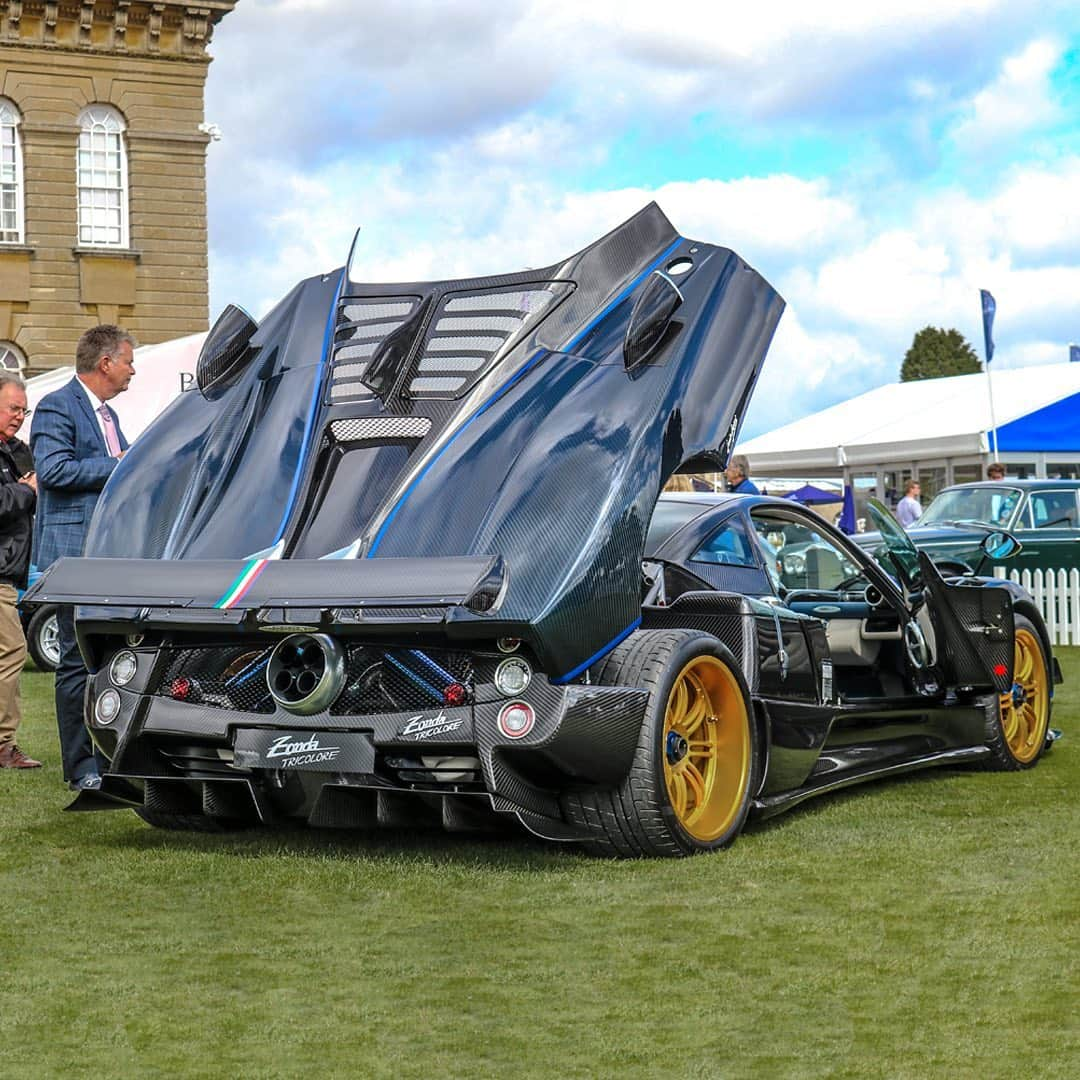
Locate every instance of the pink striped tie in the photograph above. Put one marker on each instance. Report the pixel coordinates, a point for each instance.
(112, 439)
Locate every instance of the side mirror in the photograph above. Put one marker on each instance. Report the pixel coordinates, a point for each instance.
(656, 303)
(1000, 545)
(225, 352)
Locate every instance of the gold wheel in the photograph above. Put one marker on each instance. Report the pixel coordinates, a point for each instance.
(1025, 710)
(706, 748)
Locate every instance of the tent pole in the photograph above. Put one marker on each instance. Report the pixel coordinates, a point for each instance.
(993, 421)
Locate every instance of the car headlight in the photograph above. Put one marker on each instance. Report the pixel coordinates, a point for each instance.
(123, 667)
(794, 564)
(513, 676)
(107, 708)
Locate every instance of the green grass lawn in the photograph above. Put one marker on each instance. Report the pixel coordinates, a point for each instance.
(922, 927)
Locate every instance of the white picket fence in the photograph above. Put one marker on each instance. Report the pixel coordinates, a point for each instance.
(1057, 596)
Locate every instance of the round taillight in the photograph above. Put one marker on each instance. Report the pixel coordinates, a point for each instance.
(123, 667)
(107, 708)
(513, 676)
(454, 694)
(516, 720)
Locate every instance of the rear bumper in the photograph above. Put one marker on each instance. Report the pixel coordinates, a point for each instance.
(335, 768)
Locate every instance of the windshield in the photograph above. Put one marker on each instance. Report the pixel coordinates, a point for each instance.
(994, 504)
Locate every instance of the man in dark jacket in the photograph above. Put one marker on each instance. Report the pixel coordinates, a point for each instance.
(18, 496)
(77, 442)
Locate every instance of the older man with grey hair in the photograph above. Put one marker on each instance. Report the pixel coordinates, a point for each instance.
(738, 476)
(77, 442)
(18, 497)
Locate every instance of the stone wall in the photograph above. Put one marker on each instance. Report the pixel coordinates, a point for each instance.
(148, 61)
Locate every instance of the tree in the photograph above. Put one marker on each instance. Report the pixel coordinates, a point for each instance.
(935, 353)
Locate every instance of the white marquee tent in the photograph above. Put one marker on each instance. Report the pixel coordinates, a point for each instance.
(940, 425)
(160, 374)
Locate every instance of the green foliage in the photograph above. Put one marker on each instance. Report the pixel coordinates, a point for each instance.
(935, 353)
(911, 928)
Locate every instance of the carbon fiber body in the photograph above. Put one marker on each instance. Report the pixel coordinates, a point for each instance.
(492, 417)
(370, 575)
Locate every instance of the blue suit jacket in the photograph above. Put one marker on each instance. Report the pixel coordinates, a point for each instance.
(72, 464)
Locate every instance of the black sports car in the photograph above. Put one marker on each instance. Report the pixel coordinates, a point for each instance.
(386, 567)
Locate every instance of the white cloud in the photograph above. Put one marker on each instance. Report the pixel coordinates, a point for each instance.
(1019, 100)
(806, 371)
(470, 142)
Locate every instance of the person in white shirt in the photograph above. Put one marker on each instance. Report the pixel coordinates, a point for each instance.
(909, 509)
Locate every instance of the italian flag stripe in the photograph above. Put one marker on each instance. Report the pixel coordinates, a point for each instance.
(241, 585)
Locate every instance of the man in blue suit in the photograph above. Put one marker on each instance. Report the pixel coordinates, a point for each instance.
(77, 442)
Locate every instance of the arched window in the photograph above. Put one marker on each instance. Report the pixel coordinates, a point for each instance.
(11, 357)
(102, 178)
(11, 175)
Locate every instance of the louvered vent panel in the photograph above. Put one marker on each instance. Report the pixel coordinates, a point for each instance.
(471, 332)
(363, 325)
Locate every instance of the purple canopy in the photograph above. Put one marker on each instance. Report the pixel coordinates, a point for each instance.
(809, 495)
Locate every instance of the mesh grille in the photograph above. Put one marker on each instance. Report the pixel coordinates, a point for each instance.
(363, 326)
(381, 427)
(224, 678)
(379, 679)
(472, 332)
(399, 680)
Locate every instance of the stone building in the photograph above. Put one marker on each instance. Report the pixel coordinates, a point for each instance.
(102, 172)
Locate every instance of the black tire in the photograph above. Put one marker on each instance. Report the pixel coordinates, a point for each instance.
(184, 822)
(1016, 730)
(42, 639)
(640, 818)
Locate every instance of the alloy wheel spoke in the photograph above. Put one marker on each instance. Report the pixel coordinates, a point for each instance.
(677, 790)
(695, 782)
(697, 713)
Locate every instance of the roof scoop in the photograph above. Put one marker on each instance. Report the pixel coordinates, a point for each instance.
(226, 352)
(658, 300)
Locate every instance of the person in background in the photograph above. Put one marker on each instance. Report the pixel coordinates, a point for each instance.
(995, 471)
(680, 482)
(18, 496)
(77, 442)
(909, 509)
(738, 476)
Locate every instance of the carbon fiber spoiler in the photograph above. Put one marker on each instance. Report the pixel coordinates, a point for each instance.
(476, 582)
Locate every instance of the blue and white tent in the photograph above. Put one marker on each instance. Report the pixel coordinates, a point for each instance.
(934, 422)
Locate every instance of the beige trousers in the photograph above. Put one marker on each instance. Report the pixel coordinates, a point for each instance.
(12, 658)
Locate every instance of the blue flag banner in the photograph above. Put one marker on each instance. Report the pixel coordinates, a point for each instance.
(988, 309)
(1074, 353)
(846, 522)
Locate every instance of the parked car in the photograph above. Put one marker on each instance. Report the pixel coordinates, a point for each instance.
(386, 568)
(1044, 515)
(42, 635)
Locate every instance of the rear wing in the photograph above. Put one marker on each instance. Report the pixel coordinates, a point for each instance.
(188, 587)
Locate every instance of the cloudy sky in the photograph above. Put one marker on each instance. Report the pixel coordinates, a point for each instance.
(878, 166)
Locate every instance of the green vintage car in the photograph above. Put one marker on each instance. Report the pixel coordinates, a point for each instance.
(1043, 514)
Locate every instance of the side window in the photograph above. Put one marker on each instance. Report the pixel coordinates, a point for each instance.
(11, 175)
(728, 546)
(102, 178)
(1053, 509)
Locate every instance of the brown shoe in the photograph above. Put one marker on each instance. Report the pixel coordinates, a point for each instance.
(11, 757)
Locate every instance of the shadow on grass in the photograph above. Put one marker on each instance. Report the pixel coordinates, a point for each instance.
(513, 848)
(509, 850)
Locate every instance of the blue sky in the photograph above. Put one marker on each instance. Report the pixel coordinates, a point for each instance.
(878, 163)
